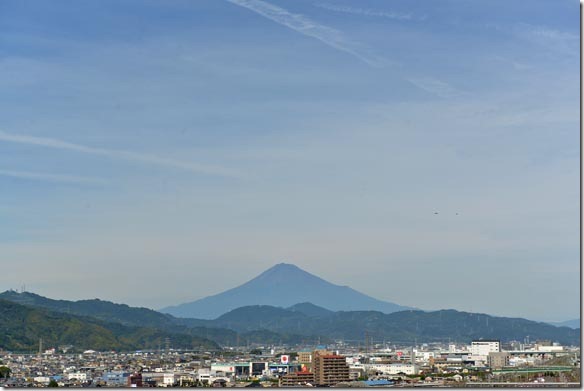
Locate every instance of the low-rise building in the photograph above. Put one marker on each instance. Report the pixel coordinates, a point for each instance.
(296, 379)
(165, 379)
(498, 360)
(115, 378)
(393, 369)
(80, 376)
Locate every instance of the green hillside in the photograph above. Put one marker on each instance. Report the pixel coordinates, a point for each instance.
(117, 315)
(23, 326)
(267, 324)
(403, 326)
(104, 310)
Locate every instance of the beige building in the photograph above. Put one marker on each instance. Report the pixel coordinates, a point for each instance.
(329, 369)
(498, 360)
(296, 379)
(484, 347)
(304, 357)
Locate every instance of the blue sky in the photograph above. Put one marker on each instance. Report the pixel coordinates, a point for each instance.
(196, 143)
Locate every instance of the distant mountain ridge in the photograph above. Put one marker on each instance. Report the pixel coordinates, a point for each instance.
(302, 323)
(124, 315)
(282, 285)
(309, 309)
(572, 323)
(96, 308)
(399, 327)
(23, 326)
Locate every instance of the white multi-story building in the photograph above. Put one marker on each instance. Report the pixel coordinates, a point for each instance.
(77, 375)
(227, 368)
(393, 369)
(424, 356)
(549, 348)
(484, 346)
(42, 379)
(209, 375)
(165, 379)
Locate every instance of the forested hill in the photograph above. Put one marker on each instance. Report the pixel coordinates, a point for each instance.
(122, 314)
(96, 308)
(306, 322)
(403, 326)
(23, 326)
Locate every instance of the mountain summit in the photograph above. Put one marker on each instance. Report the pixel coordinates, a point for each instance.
(283, 285)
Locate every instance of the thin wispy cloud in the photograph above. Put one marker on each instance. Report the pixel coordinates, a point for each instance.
(518, 66)
(544, 32)
(369, 12)
(55, 178)
(436, 87)
(552, 39)
(300, 23)
(116, 154)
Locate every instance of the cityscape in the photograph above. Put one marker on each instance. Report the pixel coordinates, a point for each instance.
(290, 193)
(483, 363)
(261, 345)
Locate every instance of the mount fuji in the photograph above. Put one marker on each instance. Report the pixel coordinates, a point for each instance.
(283, 285)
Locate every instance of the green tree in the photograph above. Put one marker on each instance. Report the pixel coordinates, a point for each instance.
(53, 383)
(4, 372)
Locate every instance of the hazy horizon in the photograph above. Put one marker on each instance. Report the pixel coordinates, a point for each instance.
(424, 153)
(25, 289)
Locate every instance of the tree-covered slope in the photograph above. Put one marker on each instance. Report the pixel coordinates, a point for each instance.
(117, 315)
(96, 308)
(310, 309)
(403, 326)
(300, 323)
(23, 326)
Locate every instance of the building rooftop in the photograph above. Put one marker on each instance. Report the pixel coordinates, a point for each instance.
(382, 382)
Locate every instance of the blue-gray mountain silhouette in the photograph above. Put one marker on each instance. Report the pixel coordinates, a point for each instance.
(309, 309)
(572, 323)
(283, 285)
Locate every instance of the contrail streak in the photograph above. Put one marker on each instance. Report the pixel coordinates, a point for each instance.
(304, 25)
(53, 177)
(117, 154)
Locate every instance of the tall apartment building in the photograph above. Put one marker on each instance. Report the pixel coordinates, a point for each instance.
(329, 369)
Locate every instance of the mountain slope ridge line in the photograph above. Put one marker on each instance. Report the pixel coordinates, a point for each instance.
(283, 285)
